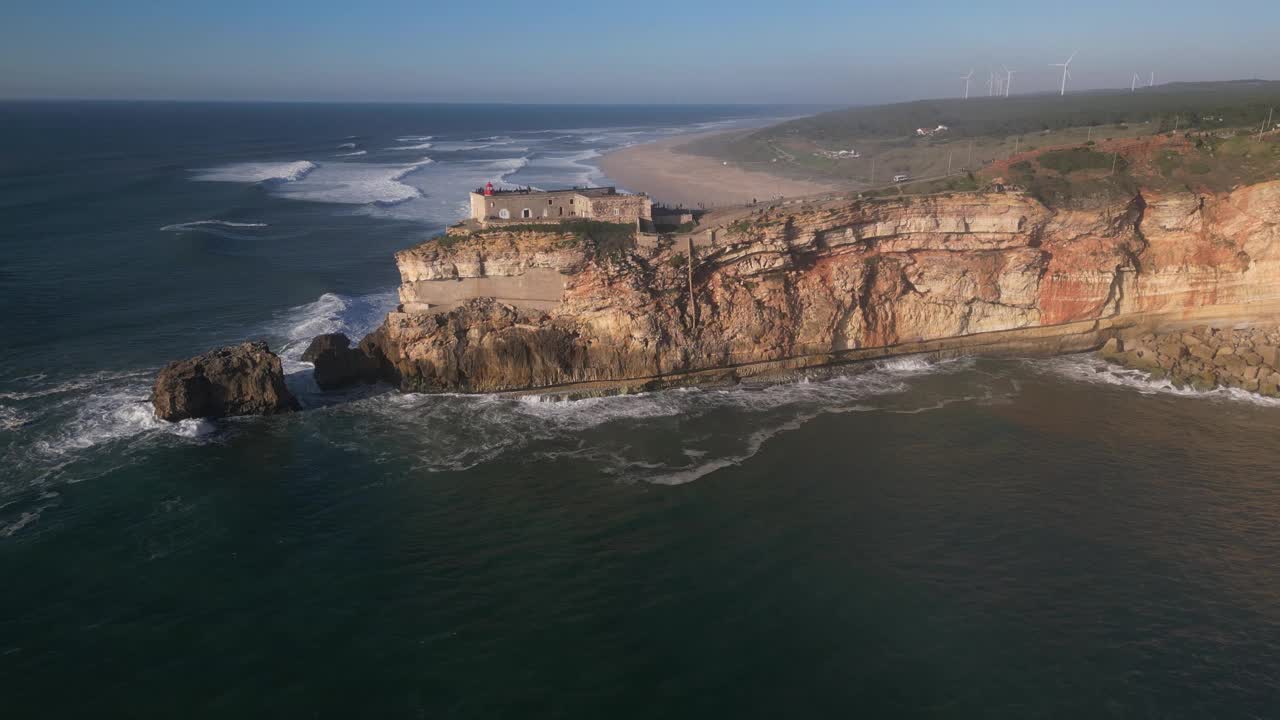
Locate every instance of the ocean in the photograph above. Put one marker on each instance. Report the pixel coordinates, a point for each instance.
(970, 538)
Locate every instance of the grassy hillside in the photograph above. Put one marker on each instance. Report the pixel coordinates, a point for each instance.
(1198, 105)
(1093, 144)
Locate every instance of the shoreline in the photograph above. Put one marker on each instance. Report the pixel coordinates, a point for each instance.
(662, 170)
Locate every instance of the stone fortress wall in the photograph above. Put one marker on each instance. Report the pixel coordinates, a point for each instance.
(604, 204)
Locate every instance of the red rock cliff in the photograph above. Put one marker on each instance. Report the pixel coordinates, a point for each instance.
(829, 282)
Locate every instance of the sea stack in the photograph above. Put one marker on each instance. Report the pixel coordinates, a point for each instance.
(337, 364)
(244, 379)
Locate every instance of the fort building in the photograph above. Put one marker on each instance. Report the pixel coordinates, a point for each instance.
(602, 204)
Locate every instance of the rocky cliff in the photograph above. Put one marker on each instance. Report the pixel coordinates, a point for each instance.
(820, 283)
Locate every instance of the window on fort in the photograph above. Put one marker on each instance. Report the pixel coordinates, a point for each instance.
(546, 212)
(548, 202)
(617, 211)
(526, 213)
(504, 213)
(561, 211)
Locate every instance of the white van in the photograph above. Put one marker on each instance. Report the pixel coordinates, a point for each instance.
(901, 177)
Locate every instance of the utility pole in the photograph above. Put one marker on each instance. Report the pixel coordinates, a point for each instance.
(1177, 119)
(1016, 140)
(1089, 137)
(953, 152)
(1114, 156)
(873, 171)
(1268, 123)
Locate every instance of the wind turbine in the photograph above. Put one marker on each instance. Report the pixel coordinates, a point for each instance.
(966, 79)
(1134, 85)
(1066, 72)
(1008, 79)
(1153, 79)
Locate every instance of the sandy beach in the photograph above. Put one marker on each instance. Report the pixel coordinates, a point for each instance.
(671, 176)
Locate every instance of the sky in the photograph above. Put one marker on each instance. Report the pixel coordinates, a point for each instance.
(605, 51)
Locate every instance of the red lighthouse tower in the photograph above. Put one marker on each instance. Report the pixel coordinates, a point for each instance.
(488, 189)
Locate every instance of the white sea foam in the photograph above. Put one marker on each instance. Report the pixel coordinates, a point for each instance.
(12, 418)
(690, 437)
(178, 227)
(119, 412)
(414, 138)
(346, 146)
(25, 519)
(417, 146)
(355, 316)
(1089, 369)
(478, 144)
(356, 183)
(559, 169)
(258, 172)
(36, 387)
(357, 153)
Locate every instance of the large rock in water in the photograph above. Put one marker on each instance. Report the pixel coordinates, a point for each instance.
(244, 379)
(338, 364)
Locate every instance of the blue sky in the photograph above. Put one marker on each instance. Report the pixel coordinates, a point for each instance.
(749, 51)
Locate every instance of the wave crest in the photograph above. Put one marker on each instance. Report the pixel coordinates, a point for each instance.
(178, 227)
(259, 172)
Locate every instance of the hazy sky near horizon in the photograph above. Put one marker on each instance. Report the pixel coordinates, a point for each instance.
(660, 51)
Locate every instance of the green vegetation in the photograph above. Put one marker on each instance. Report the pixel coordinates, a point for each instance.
(1207, 105)
(609, 239)
(1168, 162)
(446, 241)
(678, 261)
(957, 183)
(1079, 131)
(1073, 159)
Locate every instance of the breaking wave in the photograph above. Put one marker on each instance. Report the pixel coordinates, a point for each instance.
(1093, 370)
(417, 146)
(178, 227)
(353, 154)
(355, 316)
(356, 183)
(259, 172)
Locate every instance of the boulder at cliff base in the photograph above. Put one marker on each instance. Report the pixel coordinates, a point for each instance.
(244, 379)
(338, 364)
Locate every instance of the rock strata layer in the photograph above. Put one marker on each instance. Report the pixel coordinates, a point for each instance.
(826, 282)
(245, 379)
(1204, 358)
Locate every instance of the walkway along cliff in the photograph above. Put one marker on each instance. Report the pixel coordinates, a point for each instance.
(550, 307)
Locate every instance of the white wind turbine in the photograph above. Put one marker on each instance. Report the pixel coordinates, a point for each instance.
(1066, 72)
(966, 79)
(1008, 79)
(1134, 85)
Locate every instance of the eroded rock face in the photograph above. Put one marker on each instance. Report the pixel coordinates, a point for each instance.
(1205, 358)
(244, 379)
(811, 284)
(337, 364)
